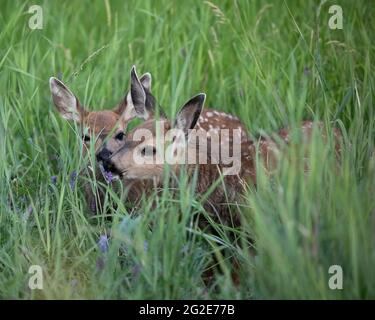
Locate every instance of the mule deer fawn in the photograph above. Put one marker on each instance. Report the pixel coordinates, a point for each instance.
(143, 106)
(94, 126)
(141, 161)
(142, 143)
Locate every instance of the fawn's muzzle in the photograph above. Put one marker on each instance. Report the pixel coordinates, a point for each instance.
(103, 155)
(109, 166)
(106, 166)
(109, 170)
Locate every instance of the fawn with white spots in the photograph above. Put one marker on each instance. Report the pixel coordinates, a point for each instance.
(116, 149)
(146, 150)
(96, 126)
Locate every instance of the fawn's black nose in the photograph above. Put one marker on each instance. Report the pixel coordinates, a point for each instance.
(103, 155)
(109, 166)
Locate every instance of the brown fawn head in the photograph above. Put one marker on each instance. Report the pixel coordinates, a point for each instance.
(96, 125)
(138, 157)
(140, 104)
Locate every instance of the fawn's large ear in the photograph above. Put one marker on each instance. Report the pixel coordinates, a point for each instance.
(137, 104)
(146, 80)
(189, 114)
(137, 96)
(65, 101)
(121, 108)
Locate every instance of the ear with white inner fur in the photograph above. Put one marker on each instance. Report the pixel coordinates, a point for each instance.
(189, 114)
(146, 81)
(65, 101)
(124, 106)
(137, 95)
(136, 100)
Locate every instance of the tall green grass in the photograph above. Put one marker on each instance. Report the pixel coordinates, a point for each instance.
(272, 64)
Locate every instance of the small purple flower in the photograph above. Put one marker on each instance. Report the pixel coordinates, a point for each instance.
(54, 180)
(103, 243)
(108, 176)
(73, 178)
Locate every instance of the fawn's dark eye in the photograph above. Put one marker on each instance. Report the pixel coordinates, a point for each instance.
(148, 150)
(86, 138)
(120, 136)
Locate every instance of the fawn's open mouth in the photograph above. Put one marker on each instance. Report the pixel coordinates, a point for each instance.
(109, 172)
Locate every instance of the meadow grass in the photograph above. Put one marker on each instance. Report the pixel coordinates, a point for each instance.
(272, 64)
